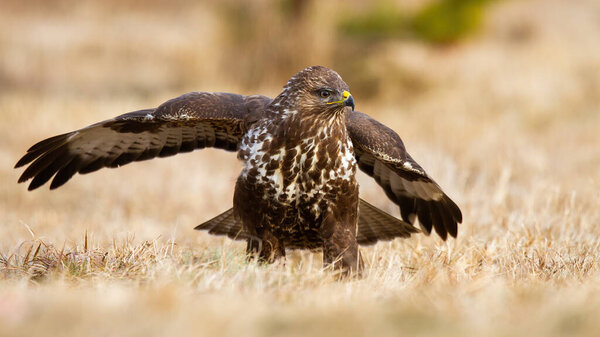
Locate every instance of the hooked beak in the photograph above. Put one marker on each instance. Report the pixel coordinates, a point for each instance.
(347, 99)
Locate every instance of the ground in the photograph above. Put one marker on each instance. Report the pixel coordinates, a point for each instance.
(507, 122)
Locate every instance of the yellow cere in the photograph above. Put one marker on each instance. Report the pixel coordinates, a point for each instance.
(345, 96)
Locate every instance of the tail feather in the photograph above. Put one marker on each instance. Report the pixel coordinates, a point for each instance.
(225, 223)
(373, 225)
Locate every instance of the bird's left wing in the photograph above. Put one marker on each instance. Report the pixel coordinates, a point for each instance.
(381, 154)
(192, 121)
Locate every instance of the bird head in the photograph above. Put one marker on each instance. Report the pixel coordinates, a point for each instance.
(318, 90)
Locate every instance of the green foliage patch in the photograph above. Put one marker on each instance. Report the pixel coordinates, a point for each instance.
(439, 22)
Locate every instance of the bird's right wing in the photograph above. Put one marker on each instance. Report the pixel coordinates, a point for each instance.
(192, 121)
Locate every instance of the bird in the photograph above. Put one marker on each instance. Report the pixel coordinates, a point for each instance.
(300, 151)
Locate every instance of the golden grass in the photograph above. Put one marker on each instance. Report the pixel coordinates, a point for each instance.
(507, 123)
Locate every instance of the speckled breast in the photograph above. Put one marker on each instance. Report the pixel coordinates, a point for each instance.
(296, 176)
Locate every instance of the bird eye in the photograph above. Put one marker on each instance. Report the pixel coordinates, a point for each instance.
(324, 93)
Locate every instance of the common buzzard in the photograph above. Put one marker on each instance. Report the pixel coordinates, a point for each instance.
(300, 151)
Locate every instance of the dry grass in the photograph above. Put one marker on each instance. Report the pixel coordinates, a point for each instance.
(507, 122)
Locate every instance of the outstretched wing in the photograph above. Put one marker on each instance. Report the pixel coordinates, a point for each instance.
(381, 154)
(192, 121)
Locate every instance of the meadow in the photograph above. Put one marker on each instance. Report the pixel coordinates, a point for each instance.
(507, 120)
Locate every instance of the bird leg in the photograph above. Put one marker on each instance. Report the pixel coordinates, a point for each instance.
(272, 248)
(269, 248)
(340, 248)
(252, 248)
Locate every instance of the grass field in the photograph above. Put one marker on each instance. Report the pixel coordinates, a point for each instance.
(507, 122)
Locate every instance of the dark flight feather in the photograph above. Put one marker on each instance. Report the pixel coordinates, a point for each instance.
(381, 154)
(194, 120)
(198, 120)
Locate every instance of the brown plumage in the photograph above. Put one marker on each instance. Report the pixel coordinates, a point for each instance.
(300, 151)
